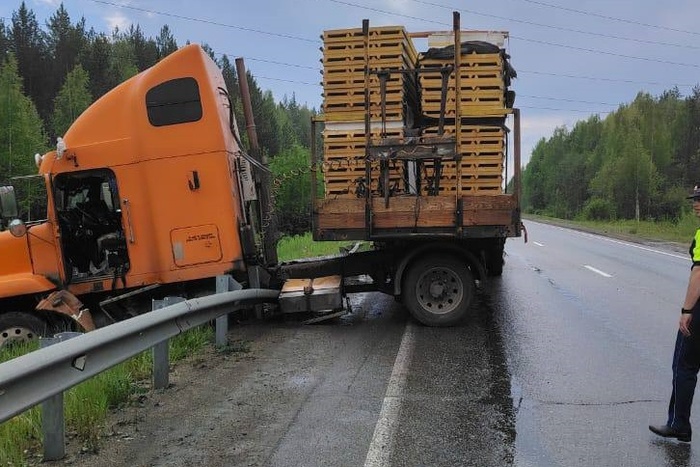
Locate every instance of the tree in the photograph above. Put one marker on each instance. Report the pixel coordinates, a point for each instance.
(122, 60)
(98, 63)
(300, 119)
(65, 44)
(29, 46)
(145, 50)
(292, 198)
(73, 98)
(165, 42)
(21, 129)
(4, 41)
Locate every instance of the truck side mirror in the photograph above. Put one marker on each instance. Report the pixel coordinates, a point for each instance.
(8, 203)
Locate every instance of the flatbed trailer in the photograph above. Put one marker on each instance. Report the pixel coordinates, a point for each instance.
(412, 163)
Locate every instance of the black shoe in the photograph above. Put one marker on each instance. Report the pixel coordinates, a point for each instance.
(669, 432)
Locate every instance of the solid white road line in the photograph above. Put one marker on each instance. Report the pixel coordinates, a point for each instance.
(619, 242)
(382, 445)
(597, 271)
(538, 243)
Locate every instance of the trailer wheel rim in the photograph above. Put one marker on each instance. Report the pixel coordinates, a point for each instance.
(439, 290)
(16, 334)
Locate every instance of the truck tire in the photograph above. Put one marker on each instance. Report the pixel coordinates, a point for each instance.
(438, 290)
(20, 327)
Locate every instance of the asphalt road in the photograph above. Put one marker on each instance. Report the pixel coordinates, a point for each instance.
(564, 361)
(590, 324)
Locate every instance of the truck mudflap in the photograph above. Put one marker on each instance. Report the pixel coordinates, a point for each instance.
(65, 303)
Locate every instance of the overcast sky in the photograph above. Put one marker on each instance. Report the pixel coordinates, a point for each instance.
(573, 58)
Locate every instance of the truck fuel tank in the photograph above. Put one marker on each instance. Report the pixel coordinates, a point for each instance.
(311, 295)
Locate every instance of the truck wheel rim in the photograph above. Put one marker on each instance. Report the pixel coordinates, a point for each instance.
(439, 290)
(16, 334)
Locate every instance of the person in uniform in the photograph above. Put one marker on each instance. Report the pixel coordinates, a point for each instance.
(686, 356)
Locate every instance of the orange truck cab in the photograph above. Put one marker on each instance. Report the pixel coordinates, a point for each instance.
(144, 189)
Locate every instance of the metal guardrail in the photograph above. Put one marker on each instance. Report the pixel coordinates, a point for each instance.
(30, 379)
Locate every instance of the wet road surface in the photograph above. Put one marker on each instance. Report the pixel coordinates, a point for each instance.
(564, 361)
(589, 325)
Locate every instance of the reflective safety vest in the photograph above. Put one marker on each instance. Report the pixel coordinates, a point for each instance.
(695, 249)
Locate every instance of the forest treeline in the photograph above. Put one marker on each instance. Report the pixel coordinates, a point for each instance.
(640, 162)
(49, 74)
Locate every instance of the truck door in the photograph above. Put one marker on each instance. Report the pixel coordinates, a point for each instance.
(90, 223)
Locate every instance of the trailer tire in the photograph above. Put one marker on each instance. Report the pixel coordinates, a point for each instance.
(438, 290)
(20, 327)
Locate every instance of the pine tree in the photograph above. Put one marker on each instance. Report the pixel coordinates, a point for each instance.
(66, 44)
(165, 42)
(4, 41)
(97, 62)
(145, 50)
(29, 46)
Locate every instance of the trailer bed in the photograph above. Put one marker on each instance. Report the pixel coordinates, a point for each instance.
(469, 216)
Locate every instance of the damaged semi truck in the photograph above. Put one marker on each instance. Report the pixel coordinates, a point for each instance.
(150, 192)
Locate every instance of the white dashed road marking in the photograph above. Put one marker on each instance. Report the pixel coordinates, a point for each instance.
(597, 271)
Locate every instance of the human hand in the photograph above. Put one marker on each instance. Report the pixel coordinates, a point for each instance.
(684, 324)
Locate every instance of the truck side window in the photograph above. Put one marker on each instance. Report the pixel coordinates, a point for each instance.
(173, 102)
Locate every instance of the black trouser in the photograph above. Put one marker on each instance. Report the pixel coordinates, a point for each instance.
(686, 363)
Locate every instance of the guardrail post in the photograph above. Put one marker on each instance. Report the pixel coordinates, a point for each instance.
(53, 426)
(161, 351)
(224, 283)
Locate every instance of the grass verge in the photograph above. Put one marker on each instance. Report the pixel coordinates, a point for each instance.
(681, 231)
(87, 405)
(303, 246)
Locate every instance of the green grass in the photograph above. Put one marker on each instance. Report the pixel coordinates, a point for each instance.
(87, 404)
(303, 246)
(680, 232)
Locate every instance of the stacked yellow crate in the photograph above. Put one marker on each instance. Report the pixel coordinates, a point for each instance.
(344, 58)
(483, 88)
(482, 149)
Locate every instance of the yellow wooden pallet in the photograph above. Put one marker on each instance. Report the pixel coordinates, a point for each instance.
(476, 110)
(469, 132)
(358, 135)
(378, 59)
(373, 32)
(359, 52)
(351, 116)
(392, 88)
(435, 85)
(465, 97)
(343, 38)
(348, 188)
(472, 60)
(392, 109)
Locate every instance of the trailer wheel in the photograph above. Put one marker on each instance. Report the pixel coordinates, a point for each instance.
(20, 327)
(439, 290)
